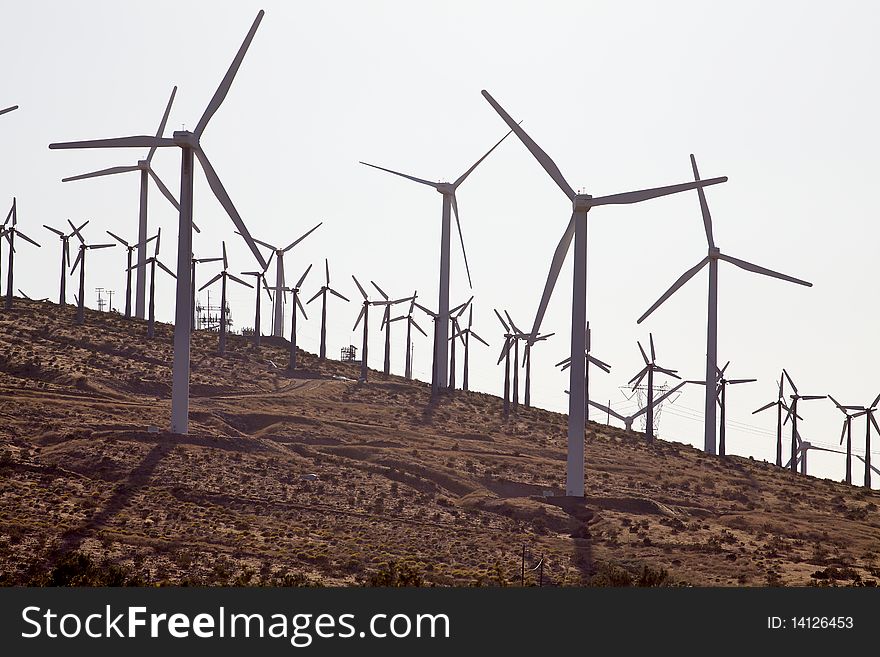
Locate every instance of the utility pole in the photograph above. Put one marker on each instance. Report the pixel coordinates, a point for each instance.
(110, 293)
(101, 301)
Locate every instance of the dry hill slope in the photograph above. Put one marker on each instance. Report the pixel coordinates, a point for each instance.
(447, 492)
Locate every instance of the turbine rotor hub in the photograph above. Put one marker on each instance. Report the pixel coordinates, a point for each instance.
(714, 252)
(186, 138)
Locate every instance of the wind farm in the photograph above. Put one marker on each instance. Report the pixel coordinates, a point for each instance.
(248, 415)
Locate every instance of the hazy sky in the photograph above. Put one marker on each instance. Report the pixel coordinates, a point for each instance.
(781, 97)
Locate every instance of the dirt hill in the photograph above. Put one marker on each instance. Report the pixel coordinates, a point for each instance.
(407, 490)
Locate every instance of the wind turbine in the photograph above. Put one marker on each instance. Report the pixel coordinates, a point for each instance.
(517, 336)
(386, 323)
(278, 310)
(629, 419)
(649, 369)
(152, 261)
(10, 234)
(588, 360)
(365, 315)
(261, 278)
(721, 395)
(779, 404)
(450, 203)
(410, 322)
(712, 258)
(81, 263)
(846, 431)
(465, 335)
(792, 414)
(128, 268)
(193, 262)
(577, 230)
(223, 276)
(323, 294)
(65, 256)
(146, 172)
(291, 363)
(509, 340)
(869, 411)
(190, 147)
(800, 457)
(455, 328)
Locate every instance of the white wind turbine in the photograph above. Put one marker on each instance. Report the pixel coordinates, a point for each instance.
(192, 287)
(65, 255)
(629, 419)
(146, 172)
(577, 230)
(278, 309)
(450, 204)
(410, 322)
(190, 148)
(386, 322)
(10, 234)
(466, 335)
(130, 248)
(711, 259)
(589, 359)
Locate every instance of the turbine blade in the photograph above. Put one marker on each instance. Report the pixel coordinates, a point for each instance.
(267, 245)
(426, 311)
(162, 123)
(76, 261)
(667, 393)
(6, 110)
(644, 355)
(225, 261)
(790, 382)
(605, 409)
(654, 192)
(327, 271)
(226, 202)
(168, 271)
(300, 306)
(226, 83)
(477, 337)
(363, 293)
(297, 241)
(748, 266)
(54, 230)
(461, 239)
(510, 319)
(651, 341)
(118, 239)
(384, 296)
(360, 316)
(303, 277)
(735, 381)
(102, 172)
(598, 363)
(500, 319)
(704, 207)
(419, 328)
(332, 291)
(165, 191)
(553, 274)
(136, 141)
(317, 294)
(765, 407)
(213, 280)
(463, 176)
(843, 431)
(542, 157)
(875, 402)
(25, 237)
(403, 175)
(239, 281)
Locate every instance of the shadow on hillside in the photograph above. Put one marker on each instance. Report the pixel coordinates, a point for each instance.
(582, 542)
(122, 495)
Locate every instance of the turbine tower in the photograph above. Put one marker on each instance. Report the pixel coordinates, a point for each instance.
(81, 263)
(711, 259)
(152, 261)
(868, 412)
(450, 203)
(145, 169)
(721, 396)
(191, 148)
(261, 278)
(846, 432)
(577, 230)
(410, 322)
(465, 336)
(291, 361)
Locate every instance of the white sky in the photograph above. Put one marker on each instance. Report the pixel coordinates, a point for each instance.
(781, 97)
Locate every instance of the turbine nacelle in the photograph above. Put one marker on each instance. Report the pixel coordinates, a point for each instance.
(143, 165)
(445, 188)
(185, 138)
(714, 252)
(582, 203)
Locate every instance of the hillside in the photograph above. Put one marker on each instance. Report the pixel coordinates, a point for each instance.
(445, 492)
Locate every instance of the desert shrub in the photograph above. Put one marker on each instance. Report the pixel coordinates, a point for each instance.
(612, 574)
(396, 574)
(79, 569)
(6, 459)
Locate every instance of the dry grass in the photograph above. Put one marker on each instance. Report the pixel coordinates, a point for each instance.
(447, 489)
